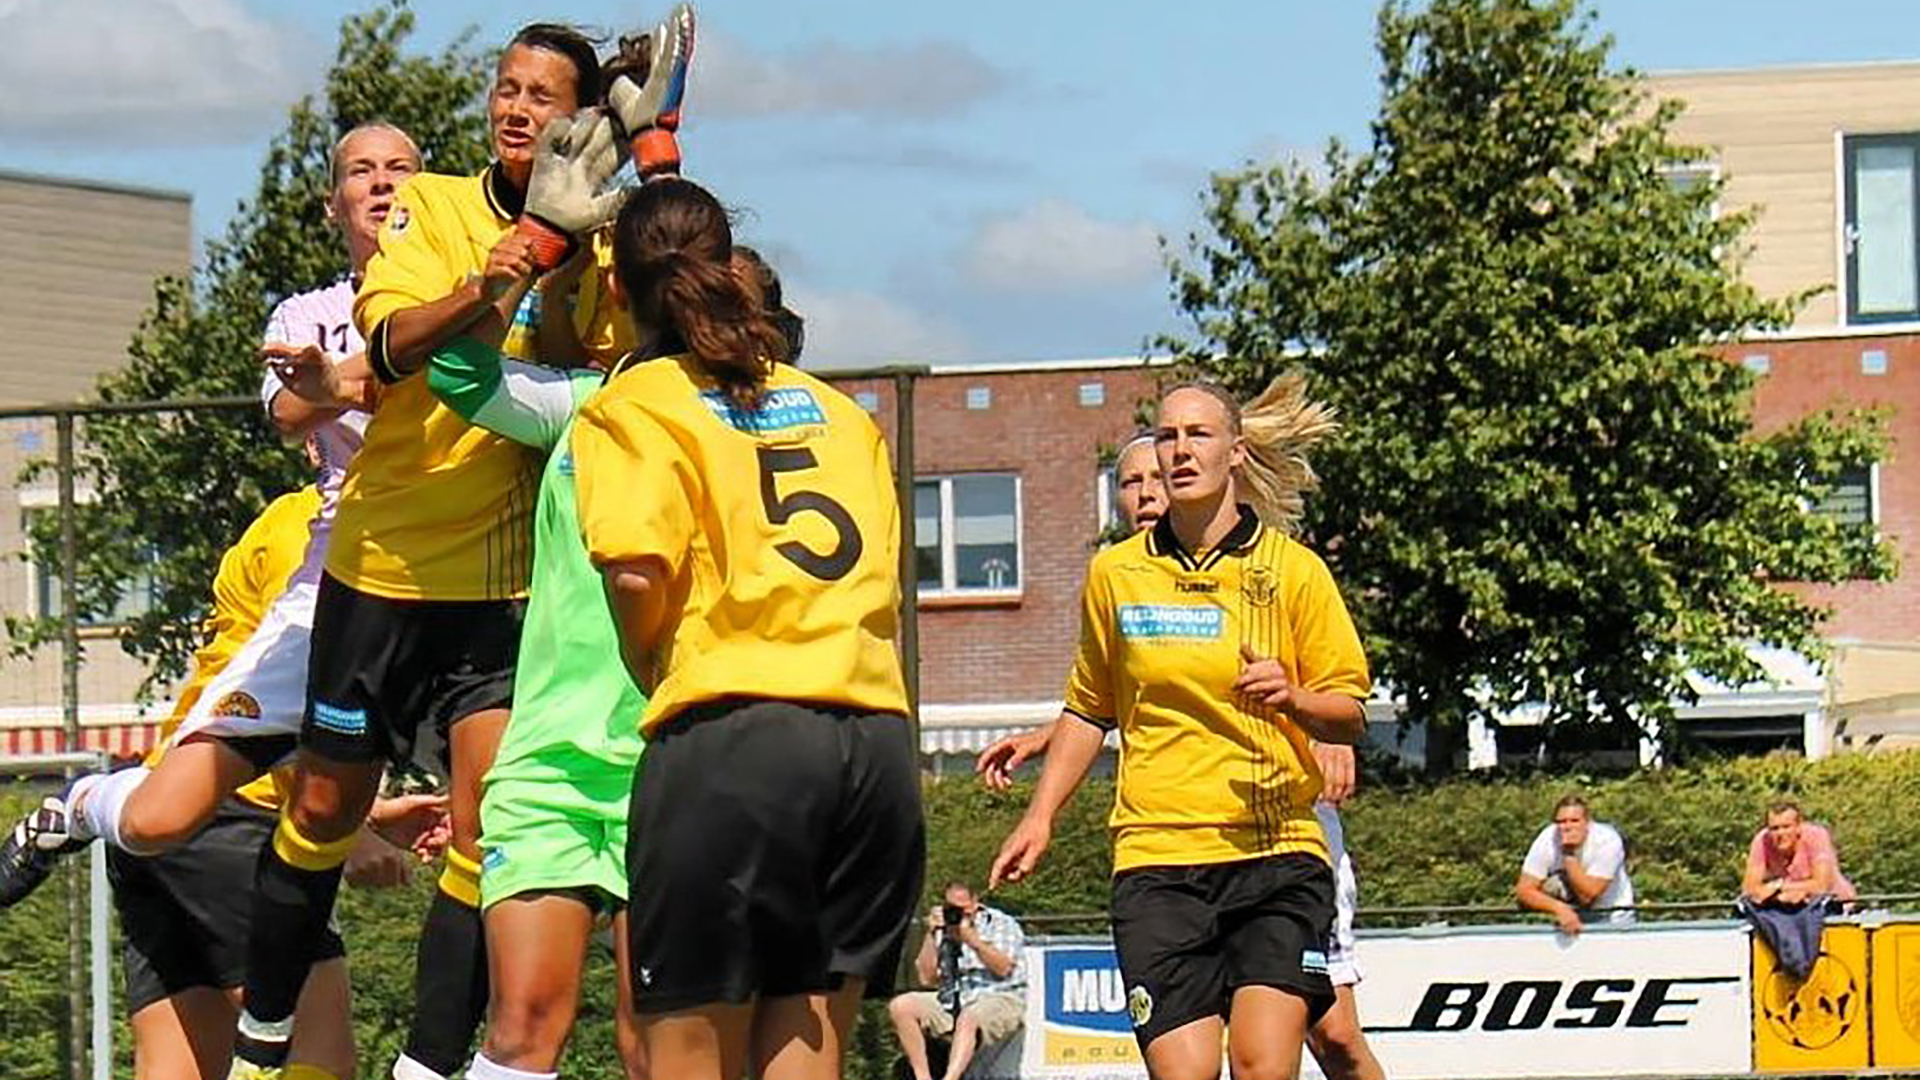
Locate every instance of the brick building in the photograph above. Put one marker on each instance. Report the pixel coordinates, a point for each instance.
(1009, 496)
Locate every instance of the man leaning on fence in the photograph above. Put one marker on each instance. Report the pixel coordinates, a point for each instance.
(972, 955)
(1576, 870)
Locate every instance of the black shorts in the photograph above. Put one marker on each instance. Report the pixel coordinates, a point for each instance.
(185, 915)
(775, 849)
(1189, 936)
(382, 667)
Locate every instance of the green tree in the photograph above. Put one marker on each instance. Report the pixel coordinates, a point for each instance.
(172, 491)
(1549, 488)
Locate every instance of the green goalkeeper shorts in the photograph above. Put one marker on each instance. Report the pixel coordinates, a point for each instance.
(554, 835)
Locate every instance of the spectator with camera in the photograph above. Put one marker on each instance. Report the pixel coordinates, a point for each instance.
(972, 958)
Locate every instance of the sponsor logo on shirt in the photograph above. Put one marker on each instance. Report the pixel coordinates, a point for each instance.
(338, 719)
(1199, 623)
(493, 858)
(1313, 962)
(780, 410)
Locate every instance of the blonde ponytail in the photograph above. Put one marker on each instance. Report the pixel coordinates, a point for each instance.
(1280, 427)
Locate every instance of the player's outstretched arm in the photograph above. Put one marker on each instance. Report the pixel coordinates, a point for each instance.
(1075, 744)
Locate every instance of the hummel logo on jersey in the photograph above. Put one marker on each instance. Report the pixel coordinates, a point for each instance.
(791, 407)
(1198, 623)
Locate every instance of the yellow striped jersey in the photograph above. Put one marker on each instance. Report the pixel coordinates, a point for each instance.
(433, 508)
(1207, 776)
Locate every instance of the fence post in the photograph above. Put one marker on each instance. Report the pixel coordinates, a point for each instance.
(77, 981)
(903, 472)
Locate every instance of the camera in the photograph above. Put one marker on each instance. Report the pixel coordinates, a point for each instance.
(952, 915)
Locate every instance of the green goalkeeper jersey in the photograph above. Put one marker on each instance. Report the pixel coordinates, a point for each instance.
(575, 721)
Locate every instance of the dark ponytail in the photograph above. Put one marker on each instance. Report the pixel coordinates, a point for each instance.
(673, 250)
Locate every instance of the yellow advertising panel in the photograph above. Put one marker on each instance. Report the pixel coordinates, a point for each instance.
(1896, 996)
(1818, 1024)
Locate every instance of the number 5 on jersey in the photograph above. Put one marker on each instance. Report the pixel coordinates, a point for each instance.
(832, 565)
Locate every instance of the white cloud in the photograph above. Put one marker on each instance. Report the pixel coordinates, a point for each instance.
(1057, 246)
(857, 329)
(146, 72)
(925, 81)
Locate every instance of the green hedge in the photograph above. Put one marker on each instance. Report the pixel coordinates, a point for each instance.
(1458, 842)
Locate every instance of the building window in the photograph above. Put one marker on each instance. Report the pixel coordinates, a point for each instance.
(1882, 245)
(1093, 394)
(1851, 500)
(1686, 178)
(868, 400)
(137, 597)
(966, 531)
(979, 397)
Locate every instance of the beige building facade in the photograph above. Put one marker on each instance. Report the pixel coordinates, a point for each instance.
(75, 280)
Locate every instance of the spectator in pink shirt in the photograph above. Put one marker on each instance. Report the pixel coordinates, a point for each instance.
(1792, 861)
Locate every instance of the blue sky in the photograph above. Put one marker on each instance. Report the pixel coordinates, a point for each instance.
(937, 182)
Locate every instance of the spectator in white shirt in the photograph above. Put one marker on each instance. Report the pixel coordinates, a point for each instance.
(1576, 870)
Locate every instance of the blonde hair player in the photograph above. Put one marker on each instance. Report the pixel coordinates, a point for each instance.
(1298, 673)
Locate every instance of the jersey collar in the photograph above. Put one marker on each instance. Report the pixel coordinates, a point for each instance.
(1239, 540)
(502, 198)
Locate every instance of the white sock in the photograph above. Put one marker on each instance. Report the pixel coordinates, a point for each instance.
(482, 1069)
(95, 803)
(405, 1068)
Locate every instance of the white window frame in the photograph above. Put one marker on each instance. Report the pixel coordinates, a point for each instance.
(949, 558)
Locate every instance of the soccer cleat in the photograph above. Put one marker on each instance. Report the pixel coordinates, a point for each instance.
(32, 849)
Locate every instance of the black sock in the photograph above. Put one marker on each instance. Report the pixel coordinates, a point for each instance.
(291, 907)
(449, 985)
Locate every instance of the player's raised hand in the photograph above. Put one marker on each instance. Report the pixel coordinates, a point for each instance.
(996, 764)
(1264, 680)
(646, 101)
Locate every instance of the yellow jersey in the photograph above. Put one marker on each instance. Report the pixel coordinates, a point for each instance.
(779, 529)
(253, 572)
(1207, 776)
(433, 508)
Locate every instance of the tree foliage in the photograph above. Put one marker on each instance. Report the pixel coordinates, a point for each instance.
(1549, 488)
(171, 491)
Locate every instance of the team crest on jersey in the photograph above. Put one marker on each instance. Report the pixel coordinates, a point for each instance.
(1202, 622)
(1259, 586)
(1140, 1006)
(398, 219)
(780, 410)
(237, 703)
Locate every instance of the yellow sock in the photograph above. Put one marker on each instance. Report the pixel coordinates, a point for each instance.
(306, 1072)
(461, 879)
(302, 853)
